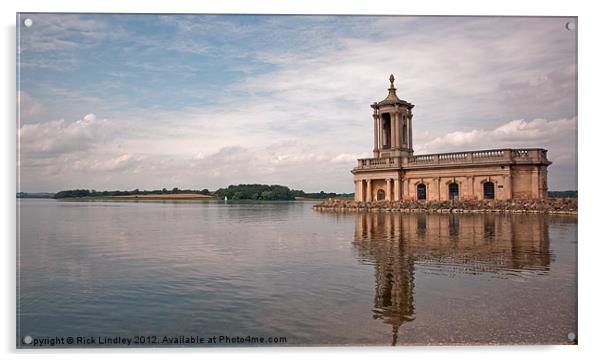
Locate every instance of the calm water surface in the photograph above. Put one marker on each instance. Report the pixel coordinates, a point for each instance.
(285, 270)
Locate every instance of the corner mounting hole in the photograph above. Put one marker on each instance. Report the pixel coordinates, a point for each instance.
(570, 26)
(28, 22)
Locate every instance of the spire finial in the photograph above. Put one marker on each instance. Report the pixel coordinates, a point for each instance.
(392, 79)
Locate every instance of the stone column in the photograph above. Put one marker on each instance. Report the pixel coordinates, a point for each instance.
(507, 186)
(359, 185)
(363, 191)
(543, 182)
(535, 183)
(375, 133)
(393, 131)
(380, 133)
(403, 138)
(410, 132)
(396, 195)
(437, 182)
(406, 189)
(368, 190)
(388, 194)
(470, 181)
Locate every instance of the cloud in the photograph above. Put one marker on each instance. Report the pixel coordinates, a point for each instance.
(28, 105)
(52, 138)
(88, 153)
(125, 162)
(559, 137)
(55, 32)
(555, 135)
(295, 164)
(459, 70)
(264, 101)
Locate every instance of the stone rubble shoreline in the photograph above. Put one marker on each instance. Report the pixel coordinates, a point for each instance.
(564, 206)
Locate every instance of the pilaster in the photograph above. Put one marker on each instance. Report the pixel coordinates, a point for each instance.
(388, 193)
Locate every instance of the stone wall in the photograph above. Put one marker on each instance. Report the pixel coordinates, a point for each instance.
(552, 206)
(516, 174)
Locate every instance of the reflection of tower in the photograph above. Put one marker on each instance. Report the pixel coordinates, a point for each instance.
(379, 241)
(444, 244)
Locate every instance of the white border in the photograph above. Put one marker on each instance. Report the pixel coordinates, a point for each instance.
(589, 130)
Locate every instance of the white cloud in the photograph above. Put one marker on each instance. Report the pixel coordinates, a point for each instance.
(557, 136)
(305, 121)
(125, 162)
(460, 71)
(57, 137)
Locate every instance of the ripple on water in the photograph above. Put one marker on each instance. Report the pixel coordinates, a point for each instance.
(282, 269)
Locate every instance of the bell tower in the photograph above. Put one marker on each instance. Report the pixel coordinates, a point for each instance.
(392, 125)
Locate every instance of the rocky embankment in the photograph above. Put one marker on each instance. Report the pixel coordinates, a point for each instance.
(566, 206)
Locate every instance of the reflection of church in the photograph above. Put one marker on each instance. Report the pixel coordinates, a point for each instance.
(395, 173)
(379, 241)
(397, 244)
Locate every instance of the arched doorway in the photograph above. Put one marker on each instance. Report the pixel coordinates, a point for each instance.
(454, 191)
(380, 194)
(421, 191)
(488, 190)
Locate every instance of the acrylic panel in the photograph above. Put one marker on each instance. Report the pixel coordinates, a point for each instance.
(257, 180)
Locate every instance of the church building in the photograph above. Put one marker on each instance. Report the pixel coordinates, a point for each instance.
(395, 173)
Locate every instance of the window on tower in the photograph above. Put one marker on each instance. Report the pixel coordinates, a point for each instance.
(405, 133)
(386, 130)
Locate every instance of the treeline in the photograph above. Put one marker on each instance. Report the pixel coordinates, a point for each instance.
(572, 193)
(272, 192)
(256, 192)
(94, 193)
(232, 192)
(35, 195)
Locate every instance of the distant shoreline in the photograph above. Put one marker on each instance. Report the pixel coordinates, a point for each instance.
(165, 196)
(147, 197)
(173, 197)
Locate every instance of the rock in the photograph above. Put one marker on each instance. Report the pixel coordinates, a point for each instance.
(560, 205)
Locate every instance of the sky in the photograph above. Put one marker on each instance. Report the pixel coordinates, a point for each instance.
(110, 101)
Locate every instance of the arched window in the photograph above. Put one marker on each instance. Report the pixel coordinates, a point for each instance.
(380, 194)
(454, 191)
(488, 190)
(386, 131)
(405, 134)
(421, 191)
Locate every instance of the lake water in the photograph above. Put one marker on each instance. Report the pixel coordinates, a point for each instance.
(110, 269)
